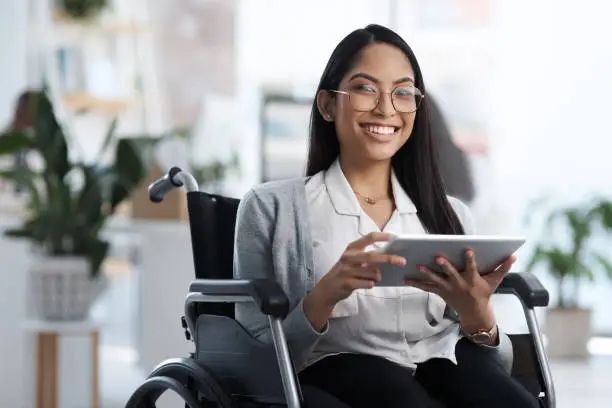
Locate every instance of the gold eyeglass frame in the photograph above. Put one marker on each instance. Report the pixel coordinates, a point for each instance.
(380, 94)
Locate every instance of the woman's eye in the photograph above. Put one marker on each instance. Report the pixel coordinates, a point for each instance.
(365, 88)
(404, 92)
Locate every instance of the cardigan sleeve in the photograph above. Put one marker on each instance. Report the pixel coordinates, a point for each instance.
(253, 259)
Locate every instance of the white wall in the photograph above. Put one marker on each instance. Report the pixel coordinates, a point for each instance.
(290, 41)
(16, 348)
(549, 103)
(13, 70)
(286, 43)
(14, 373)
(552, 102)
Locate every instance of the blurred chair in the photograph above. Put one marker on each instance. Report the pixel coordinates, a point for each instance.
(454, 163)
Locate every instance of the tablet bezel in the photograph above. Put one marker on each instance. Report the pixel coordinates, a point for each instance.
(490, 251)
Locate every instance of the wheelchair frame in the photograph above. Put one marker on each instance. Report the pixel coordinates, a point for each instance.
(179, 374)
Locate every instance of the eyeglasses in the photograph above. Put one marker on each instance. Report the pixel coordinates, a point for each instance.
(364, 98)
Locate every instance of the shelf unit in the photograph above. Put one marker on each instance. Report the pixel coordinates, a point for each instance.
(99, 69)
(95, 71)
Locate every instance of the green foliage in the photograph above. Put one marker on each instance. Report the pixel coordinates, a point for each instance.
(83, 9)
(65, 217)
(214, 171)
(211, 172)
(578, 260)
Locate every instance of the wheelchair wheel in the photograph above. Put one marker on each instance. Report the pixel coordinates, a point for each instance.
(199, 380)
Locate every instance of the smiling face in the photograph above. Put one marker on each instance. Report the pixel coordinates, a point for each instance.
(370, 131)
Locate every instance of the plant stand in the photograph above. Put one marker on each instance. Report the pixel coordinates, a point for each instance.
(61, 289)
(60, 378)
(568, 332)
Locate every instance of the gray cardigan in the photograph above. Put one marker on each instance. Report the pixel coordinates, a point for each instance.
(273, 241)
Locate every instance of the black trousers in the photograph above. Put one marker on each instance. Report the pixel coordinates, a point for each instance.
(364, 381)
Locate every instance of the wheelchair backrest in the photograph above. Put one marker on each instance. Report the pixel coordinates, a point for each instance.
(212, 221)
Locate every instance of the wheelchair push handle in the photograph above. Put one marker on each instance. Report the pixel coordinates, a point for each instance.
(174, 178)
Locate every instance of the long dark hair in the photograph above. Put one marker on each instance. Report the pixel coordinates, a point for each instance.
(415, 164)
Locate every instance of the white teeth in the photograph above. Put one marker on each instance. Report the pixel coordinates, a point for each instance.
(381, 130)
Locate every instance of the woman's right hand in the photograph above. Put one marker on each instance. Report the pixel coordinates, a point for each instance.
(356, 269)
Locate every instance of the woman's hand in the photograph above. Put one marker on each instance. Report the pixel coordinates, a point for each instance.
(468, 293)
(356, 269)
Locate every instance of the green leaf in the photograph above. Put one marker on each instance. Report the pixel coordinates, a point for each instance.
(97, 253)
(89, 205)
(25, 177)
(583, 271)
(602, 212)
(11, 143)
(605, 264)
(536, 258)
(19, 233)
(560, 264)
(130, 171)
(58, 155)
(579, 225)
(110, 134)
(46, 125)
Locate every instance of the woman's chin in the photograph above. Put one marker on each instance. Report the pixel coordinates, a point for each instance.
(380, 153)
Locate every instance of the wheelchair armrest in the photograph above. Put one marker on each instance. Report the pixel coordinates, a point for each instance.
(527, 287)
(266, 293)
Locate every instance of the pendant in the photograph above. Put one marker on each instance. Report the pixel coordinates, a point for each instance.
(369, 200)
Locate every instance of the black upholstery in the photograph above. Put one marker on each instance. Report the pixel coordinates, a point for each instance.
(212, 220)
(524, 367)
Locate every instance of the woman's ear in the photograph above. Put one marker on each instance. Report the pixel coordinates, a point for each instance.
(325, 104)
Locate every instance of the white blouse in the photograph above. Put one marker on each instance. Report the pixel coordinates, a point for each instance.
(404, 325)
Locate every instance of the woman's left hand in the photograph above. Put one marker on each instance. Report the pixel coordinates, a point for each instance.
(468, 292)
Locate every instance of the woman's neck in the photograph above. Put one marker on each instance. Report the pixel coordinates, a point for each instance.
(371, 179)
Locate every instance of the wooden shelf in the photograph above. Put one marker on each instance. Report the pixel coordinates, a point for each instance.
(110, 26)
(90, 103)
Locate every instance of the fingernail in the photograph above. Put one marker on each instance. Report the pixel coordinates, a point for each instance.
(469, 253)
(421, 268)
(402, 261)
(440, 261)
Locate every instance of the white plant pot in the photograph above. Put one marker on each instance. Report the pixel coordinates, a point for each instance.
(61, 289)
(568, 332)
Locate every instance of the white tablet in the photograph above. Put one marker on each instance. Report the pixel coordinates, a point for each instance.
(490, 252)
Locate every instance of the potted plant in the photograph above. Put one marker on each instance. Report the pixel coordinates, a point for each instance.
(68, 205)
(568, 325)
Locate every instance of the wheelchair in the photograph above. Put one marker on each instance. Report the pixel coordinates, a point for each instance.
(230, 368)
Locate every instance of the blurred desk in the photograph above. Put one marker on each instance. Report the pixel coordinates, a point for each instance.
(59, 381)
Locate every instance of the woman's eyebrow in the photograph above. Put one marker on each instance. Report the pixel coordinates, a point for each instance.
(377, 81)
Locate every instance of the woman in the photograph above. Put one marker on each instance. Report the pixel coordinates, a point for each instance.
(372, 173)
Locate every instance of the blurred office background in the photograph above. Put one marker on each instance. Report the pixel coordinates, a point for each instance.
(524, 87)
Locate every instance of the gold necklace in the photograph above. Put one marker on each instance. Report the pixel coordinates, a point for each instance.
(372, 200)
